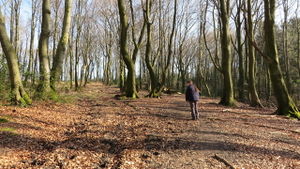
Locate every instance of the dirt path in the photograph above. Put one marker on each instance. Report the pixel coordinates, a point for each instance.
(102, 132)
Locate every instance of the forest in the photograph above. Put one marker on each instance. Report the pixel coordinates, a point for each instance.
(83, 81)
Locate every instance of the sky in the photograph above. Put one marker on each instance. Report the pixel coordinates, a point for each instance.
(26, 8)
(26, 11)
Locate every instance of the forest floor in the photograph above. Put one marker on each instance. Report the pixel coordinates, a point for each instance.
(95, 130)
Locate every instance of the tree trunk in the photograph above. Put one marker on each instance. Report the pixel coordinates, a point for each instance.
(204, 83)
(71, 58)
(55, 25)
(228, 93)
(44, 89)
(253, 96)
(154, 92)
(108, 49)
(18, 96)
(77, 41)
(170, 47)
(241, 80)
(122, 75)
(62, 46)
(286, 45)
(298, 38)
(298, 47)
(131, 80)
(12, 21)
(286, 105)
(29, 71)
(17, 6)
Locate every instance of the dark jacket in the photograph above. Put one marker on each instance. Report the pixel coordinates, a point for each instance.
(192, 93)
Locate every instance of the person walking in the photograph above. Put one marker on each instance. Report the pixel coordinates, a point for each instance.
(192, 96)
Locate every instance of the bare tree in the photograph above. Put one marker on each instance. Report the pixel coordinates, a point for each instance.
(19, 95)
(286, 105)
(44, 89)
(253, 96)
(228, 92)
(62, 45)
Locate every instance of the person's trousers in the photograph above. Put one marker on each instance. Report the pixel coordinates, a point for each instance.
(194, 110)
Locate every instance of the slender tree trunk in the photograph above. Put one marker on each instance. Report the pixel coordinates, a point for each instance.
(268, 85)
(35, 68)
(108, 49)
(12, 21)
(77, 56)
(62, 45)
(228, 93)
(286, 105)
(205, 83)
(29, 70)
(253, 96)
(71, 66)
(298, 36)
(87, 74)
(298, 48)
(17, 6)
(153, 78)
(286, 45)
(55, 31)
(71, 55)
(170, 47)
(18, 96)
(122, 75)
(77, 41)
(241, 81)
(76, 65)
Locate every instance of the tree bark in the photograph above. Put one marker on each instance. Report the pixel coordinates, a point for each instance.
(44, 89)
(56, 7)
(286, 105)
(131, 76)
(12, 21)
(253, 96)
(18, 96)
(170, 47)
(77, 41)
(122, 75)
(29, 71)
(228, 93)
(154, 92)
(62, 46)
(17, 6)
(286, 45)
(298, 37)
(241, 80)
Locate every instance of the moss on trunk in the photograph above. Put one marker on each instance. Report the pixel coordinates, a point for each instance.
(18, 93)
(228, 92)
(43, 90)
(62, 46)
(286, 105)
(131, 91)
(253, 96)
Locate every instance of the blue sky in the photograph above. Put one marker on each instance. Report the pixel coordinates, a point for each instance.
(26, 10)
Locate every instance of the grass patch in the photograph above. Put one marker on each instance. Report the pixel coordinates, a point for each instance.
(124, 98)
(67, 99)
(74, 97)
(3, 120)
(7, 129)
